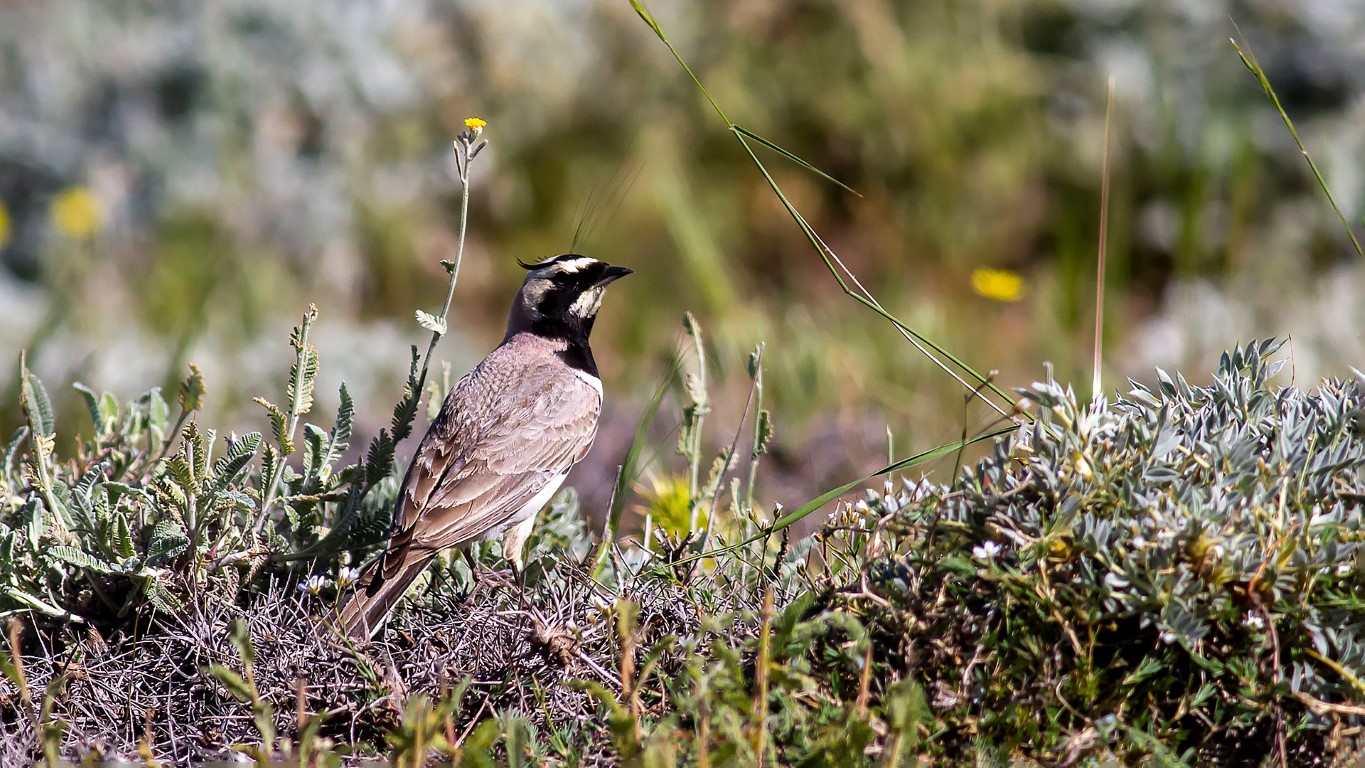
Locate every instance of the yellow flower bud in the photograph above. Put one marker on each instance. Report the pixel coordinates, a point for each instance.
(77, 213)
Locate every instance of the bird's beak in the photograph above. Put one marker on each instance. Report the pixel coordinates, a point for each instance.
(611, 274)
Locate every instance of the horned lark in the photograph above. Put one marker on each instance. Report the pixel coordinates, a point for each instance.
(506, 436)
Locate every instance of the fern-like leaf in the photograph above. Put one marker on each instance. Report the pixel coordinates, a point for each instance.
(169, 541)
(161, 598)
(92, 405)
(81, 559)
(193, 390)
(228, 470)
(303, 374)
(278, 425)
(314, 452)
(406, 410)
(37, 407)
(178, 471)
(83, 500)
(123, 538)
(379, 459)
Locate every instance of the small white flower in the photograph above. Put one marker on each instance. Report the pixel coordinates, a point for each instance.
(347, 576)
(315, 584)
(1165, 534)
(986, 551)
(1345, 568)
(836, 515)
(1168, 637)
(1253, 621)
(1140, 542)
(861, 506)
(1218, 551)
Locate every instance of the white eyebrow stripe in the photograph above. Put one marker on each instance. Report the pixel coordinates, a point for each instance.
(568, 265)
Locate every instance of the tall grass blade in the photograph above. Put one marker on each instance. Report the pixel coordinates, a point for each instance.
(1095, 388)
(630, 467)
(1248, 58)
(779, 150)
(801, 512)
(864, 297)
(645, 15)
(827, 255)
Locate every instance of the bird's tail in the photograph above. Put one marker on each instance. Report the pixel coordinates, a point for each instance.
(364, 612)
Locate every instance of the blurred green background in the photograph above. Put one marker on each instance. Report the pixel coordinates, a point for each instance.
(179, 179)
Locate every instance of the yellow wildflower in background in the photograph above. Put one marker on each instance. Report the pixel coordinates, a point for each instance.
(998, 284)
(666, 499)
(76, 213)
(4, 225)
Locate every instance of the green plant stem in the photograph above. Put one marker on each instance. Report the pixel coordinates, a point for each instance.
(295, 406)
(701, 404)
(761, 677)
(719, 482)
(37, 604)
(757, 446)
(865, 297)
(42, 446)
(300, 362)
(454, 270)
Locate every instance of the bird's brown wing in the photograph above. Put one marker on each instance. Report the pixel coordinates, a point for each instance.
(504, 432)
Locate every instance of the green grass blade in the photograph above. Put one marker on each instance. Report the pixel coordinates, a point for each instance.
(819, 246)
(786, 521)
(739, 129)
(862, 296)
(648, 19)
(645, 16)
(1249, 61)
(630, 466)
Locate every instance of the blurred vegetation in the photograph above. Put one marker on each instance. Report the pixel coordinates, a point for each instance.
(210, 170)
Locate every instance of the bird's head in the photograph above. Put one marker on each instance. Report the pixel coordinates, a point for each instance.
(561, 295)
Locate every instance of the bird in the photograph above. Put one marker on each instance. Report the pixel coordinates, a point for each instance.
(505, 438)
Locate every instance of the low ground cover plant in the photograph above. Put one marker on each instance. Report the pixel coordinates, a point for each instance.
(1168, 578)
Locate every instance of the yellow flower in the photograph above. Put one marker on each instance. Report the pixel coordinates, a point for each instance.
(666, 499)
(474, 122)
(4, 225)
(77, 213)
(998, 284)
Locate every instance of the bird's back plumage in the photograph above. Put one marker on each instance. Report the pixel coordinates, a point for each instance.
(508, 428)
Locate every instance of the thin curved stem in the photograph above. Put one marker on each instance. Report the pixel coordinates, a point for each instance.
(465, 150)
